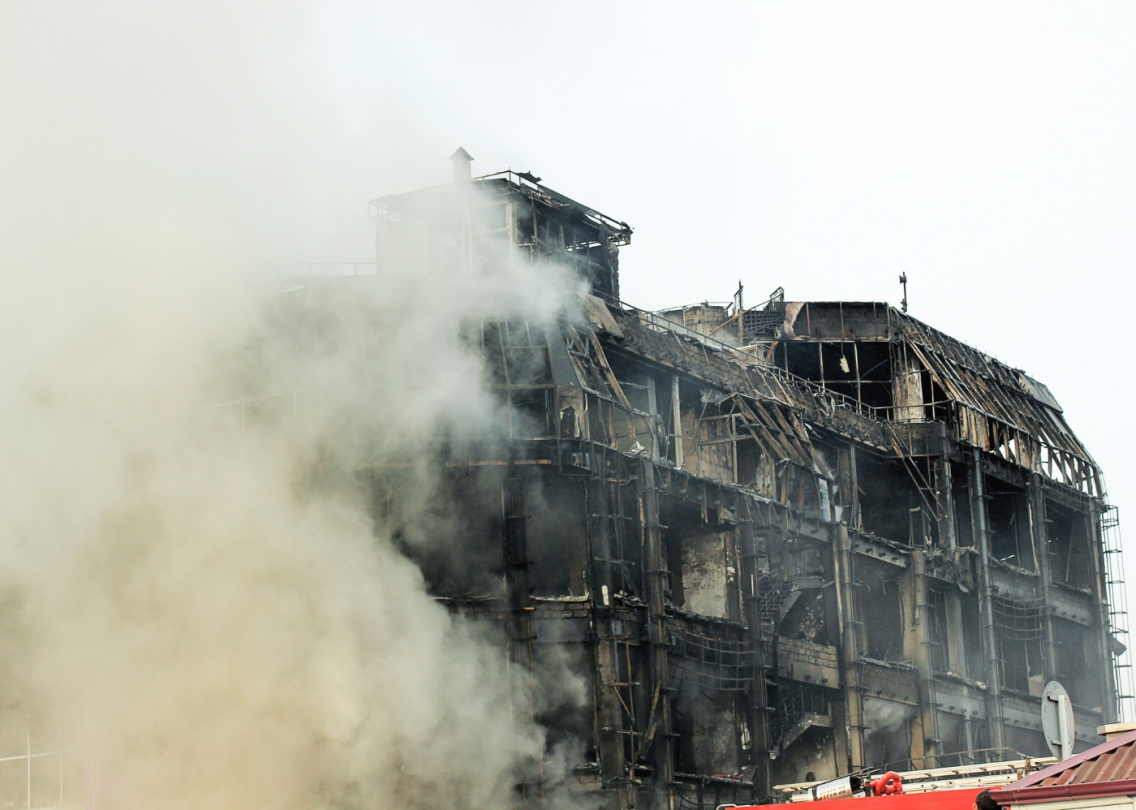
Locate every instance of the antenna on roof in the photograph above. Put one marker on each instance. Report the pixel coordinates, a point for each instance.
(462, 169)
(903, 281)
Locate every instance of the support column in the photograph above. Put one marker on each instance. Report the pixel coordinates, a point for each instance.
(853, 707)
(833, 611)
(948, 538)
(520, 627)
(676, 418)
(609, 710)
(657, 450)
(986, 604)
(854, 521)
(1039, 536)
(956, 634)
(968, 729)
(918, 647)
(948, 535)
(659, 731)
(759, 701)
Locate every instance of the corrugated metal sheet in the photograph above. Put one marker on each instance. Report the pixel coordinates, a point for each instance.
(1119, 763)
(1106, 770)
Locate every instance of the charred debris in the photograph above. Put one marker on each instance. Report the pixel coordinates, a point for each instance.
(779, 543)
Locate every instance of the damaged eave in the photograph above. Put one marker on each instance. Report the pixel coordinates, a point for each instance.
(525, 184)
(1001, 409)
(662, 346)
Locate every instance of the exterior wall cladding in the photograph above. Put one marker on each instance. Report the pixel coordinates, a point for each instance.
(778, 544)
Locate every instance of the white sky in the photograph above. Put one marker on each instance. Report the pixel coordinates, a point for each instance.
(988, 150)
(985, 149)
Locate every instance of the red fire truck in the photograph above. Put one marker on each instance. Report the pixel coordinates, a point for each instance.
(957, 788)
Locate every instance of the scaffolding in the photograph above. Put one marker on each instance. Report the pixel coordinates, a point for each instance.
(1118, 613)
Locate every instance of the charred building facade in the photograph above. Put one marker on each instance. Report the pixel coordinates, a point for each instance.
(777, 543)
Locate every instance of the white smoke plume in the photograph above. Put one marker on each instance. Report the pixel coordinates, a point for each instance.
(888, 727)
(197, 599)
(885, 716)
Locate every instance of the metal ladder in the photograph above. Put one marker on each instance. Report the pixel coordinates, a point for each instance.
(1118, 612)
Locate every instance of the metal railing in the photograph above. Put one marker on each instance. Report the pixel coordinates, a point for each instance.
(29, 757)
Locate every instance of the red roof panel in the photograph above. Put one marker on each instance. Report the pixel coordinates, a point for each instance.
(1106, 770)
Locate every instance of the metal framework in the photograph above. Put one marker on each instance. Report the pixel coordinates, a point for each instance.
(777, 541)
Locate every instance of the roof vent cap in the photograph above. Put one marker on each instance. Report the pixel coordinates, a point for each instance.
(462, 160)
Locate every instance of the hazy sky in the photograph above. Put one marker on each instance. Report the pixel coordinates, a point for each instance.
(985, 149)
(988, 150)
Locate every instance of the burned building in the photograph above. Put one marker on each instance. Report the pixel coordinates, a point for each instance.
(778, 543)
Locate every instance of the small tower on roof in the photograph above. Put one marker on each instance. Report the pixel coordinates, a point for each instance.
(463, 170)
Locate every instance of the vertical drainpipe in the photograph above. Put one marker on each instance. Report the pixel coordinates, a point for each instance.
(657, 630)
(986, 605)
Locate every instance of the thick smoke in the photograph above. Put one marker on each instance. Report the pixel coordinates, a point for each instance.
(192, 568)
(199, 601)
